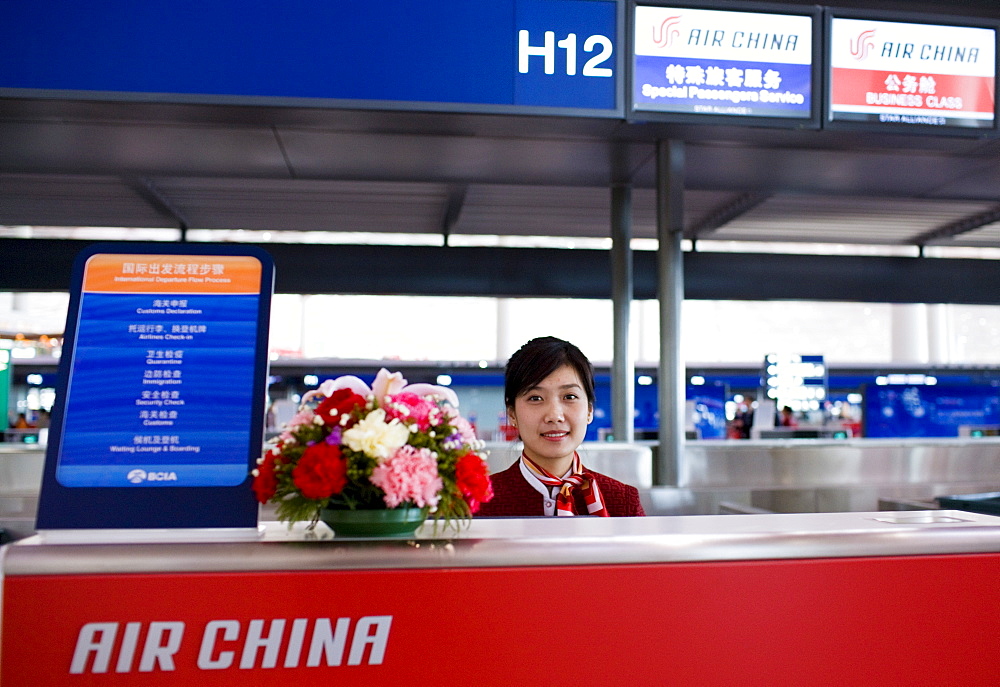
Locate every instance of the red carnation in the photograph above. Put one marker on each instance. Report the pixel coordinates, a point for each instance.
(473, 481)
(265, 483)
(321, 471)
(341, 402)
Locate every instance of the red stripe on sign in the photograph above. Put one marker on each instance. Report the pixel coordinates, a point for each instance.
(925, 620)
(905, 90)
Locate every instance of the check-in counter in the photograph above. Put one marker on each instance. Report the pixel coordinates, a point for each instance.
(21, 469)
(807, 599)
(794, 475)
(790, 476)
(817, 475)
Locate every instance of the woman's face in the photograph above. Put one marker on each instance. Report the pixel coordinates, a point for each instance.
(552, 419)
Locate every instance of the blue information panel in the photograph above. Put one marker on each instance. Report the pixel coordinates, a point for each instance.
(708, 406)
(505, 55)
(929, 411)
(164, 367)
(708, 410)
(163, 421)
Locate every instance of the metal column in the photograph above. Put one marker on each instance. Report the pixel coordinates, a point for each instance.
(623, 364)
(670, 282)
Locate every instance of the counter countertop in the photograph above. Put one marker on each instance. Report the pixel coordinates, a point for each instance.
(510, 542)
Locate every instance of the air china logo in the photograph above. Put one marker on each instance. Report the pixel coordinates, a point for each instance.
(667, 32)
(138, 476)
(139, 647)
(862, 45)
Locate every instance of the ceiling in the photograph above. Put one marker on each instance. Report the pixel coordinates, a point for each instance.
(78, 163)
(104, 163)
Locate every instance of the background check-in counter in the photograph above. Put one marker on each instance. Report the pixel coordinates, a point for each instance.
(851, 598)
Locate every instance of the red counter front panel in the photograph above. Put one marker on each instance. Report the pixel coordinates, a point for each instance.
(930, 620)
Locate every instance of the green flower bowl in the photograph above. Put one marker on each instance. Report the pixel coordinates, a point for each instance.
(374, 524)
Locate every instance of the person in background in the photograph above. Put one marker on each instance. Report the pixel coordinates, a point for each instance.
(549, 395)
(745, 415)
(736, 429)
(788, 417)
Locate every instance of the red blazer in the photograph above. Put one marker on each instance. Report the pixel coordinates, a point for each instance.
(513, 496)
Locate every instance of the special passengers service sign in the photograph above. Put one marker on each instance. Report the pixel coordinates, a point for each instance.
(922, 74)
(722, 63)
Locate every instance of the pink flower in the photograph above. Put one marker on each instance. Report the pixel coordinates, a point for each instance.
(303, 417)
(409, 408)
(464, 428)
(409, 474)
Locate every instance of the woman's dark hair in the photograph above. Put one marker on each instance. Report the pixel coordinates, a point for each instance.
(539, 358)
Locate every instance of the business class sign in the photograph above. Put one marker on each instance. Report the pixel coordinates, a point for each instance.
(917, 74)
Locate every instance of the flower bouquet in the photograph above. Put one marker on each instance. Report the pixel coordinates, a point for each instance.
(390, 446)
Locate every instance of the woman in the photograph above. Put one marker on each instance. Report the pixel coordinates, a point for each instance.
(549, 394)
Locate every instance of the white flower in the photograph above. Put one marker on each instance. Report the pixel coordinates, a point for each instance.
(375, 437)
(386, 384)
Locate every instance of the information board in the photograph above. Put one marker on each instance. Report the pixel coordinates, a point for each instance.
(898, 410)
(796, 381)
(706, 408)
(161, 386)
(715, 62)
(911, 73)
(451, 55)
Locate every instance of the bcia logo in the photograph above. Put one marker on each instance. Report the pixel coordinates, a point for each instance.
(138, 476)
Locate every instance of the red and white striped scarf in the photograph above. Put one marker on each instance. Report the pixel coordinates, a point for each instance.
(576, 479)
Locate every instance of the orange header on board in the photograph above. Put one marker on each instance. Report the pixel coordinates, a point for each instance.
(210, 274)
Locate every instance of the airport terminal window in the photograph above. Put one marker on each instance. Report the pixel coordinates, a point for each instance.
(473, 329)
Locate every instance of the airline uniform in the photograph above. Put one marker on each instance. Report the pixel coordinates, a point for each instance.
(514, 495)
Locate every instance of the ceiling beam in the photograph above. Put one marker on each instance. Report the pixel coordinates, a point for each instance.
(160, 202)
(959, 227)
(46, 265)
(453, 209)
(724, 214)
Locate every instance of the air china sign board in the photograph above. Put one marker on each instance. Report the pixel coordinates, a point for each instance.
(712, 62)
(160, 412)
(916, 74)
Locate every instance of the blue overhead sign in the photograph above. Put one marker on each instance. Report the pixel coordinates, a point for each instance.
(561, 56)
